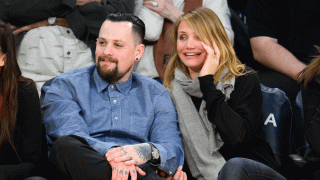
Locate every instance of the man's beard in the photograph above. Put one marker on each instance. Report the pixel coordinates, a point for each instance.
(112, 76)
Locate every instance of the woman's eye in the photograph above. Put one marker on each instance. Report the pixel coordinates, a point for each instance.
(182, 37)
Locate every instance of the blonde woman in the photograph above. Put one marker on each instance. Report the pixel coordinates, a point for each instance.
(156, 13)
(218, 100)
(310, 77)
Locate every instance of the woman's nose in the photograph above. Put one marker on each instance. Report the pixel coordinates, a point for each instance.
(191, 43)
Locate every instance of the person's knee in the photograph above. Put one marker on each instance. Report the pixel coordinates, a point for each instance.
(235, 167)
(242, 168)
(65, 144)
(61, 143)
(238, 163)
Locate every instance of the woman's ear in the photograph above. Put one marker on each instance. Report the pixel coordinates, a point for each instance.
(3, 59)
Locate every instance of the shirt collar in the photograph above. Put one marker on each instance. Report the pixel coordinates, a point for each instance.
(102, 84)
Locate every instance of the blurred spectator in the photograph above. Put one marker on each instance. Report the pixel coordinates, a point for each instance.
(20, 115)
(310, 77)
(283, 35)
(239, 6)
(57, 34)
(165, 13)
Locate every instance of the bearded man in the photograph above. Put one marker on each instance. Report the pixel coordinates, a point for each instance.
(108, 122)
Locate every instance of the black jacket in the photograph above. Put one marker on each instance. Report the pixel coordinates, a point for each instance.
(85, 21)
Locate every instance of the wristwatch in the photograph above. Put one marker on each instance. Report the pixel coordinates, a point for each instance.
(155, 154)
(52, 21)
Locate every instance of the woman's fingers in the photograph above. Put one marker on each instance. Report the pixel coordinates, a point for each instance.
(216, 50)
(211, 63)
(178, 173)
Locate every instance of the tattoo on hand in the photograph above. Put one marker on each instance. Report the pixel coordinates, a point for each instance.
(126, 173)
(114, 168)
(121, 172)
(133, 171)
(143, 151)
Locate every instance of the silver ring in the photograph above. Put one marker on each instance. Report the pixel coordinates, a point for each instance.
(130, 157)
(154, 4)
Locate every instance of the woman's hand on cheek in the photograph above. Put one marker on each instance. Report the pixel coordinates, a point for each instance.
(211, 63)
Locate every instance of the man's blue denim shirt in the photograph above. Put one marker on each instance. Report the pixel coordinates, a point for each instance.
(136, 111)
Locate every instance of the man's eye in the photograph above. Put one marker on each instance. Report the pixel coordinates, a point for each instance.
(119, 45)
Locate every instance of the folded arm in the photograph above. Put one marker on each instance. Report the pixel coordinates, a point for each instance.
(268, 52)
(152, 20)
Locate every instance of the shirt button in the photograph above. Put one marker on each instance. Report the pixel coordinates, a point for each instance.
(112, 86)
(68, 52)
(170, 173)
(115, 101)
(68, 31)
(116, 118)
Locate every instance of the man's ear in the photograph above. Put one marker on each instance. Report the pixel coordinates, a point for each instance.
(139, 52)
(3, 59)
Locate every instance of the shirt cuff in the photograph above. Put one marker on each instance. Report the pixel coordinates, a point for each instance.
(166, 165)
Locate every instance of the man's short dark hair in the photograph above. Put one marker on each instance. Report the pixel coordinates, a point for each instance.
(138, 25)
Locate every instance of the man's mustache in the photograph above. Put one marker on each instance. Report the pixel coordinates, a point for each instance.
(108, 58)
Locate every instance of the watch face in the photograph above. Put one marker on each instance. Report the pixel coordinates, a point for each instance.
(155, 154)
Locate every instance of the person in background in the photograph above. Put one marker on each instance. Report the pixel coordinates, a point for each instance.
(218, 101)
(20, 115)
(282, 36)
(107, 122)
(310, 77)
(57, 36)
(158, 16)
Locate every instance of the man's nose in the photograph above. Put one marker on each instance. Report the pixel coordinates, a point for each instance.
(107, 50)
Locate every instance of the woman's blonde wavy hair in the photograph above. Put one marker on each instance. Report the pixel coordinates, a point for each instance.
(208, 28)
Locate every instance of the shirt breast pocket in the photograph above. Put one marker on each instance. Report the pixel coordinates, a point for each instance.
(140, 126)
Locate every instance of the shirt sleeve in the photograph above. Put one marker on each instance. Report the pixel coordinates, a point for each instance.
(311, 108)
(165, 135)
(221, 8)
(262, 18)
(152, 20)
(62, 116)
(237, 119)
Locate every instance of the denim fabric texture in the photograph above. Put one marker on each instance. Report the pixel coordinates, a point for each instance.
(107, 115)
(242, 169)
